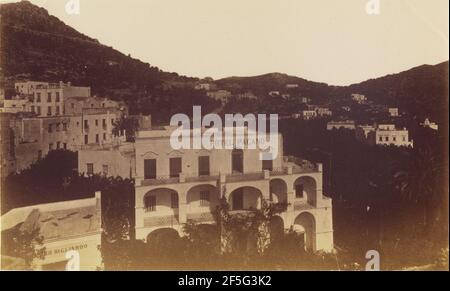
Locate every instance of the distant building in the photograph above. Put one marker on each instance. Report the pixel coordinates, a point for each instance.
(274, 93)
(393, 111)
(204, 86)
(308, 114)
(16, 105)
(383, 134)
(429, 124)
(67, 122)
(246, 95)
(359, 98)
(347, 124)
(48, 99)
(305, 100)
(321, 111)
(108, 160)
(291, 86)
(220, 95)
(70, 229)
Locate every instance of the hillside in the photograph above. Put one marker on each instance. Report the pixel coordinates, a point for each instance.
(422, 91)
(38, 46)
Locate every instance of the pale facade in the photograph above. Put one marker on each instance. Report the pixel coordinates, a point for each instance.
(393, 112)
(113, 160)
(221, 95)
(308, 114)
(174, 186)
(48, 99)
(59, 116)
(359, 98)
(347, 124)
(383, 134)
(16, 105)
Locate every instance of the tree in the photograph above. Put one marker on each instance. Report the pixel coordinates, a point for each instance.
(24, 244)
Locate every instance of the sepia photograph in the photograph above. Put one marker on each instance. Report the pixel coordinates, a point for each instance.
(242, 136)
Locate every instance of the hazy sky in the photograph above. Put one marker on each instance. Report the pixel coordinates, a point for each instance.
(332, 41)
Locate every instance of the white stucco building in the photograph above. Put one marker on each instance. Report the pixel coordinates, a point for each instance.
(58, 116)
(347, 124)
(174, 186)
(359, 98)
(383, 134)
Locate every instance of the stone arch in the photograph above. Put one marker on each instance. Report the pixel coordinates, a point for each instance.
(305, 224)
(305, 187)
(161, 200)
(245, 198)
(195, 198)
(278, 190)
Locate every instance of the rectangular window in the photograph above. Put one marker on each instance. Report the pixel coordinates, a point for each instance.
(38, 97)
(299, 191)
(150, 169)
(57, 110)
(104, 136)
(237, 161)
(174, 200)
(38, 110)
(104, 124)
(58, 145)
(64, 126)
(32, 108)
(90, 168)
(267, 165)
(49, 111)
(97, 139)
(65, 146)
(50, 128)
(49, 97)
(86, 124)
(50, 147)
(204, 198)
(105, 170)
(175, 167)
(39, 154)
(150, 203)
(386, 138)
(57, 97)
(203, 166)
(86, 139)
(96, 122)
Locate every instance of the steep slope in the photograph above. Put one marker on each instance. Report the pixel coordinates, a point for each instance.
(36, 45)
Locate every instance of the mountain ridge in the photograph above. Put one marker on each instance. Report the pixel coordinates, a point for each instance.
(36, 45)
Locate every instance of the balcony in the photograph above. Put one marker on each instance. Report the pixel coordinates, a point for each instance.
(159, 221)
(201, 217)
